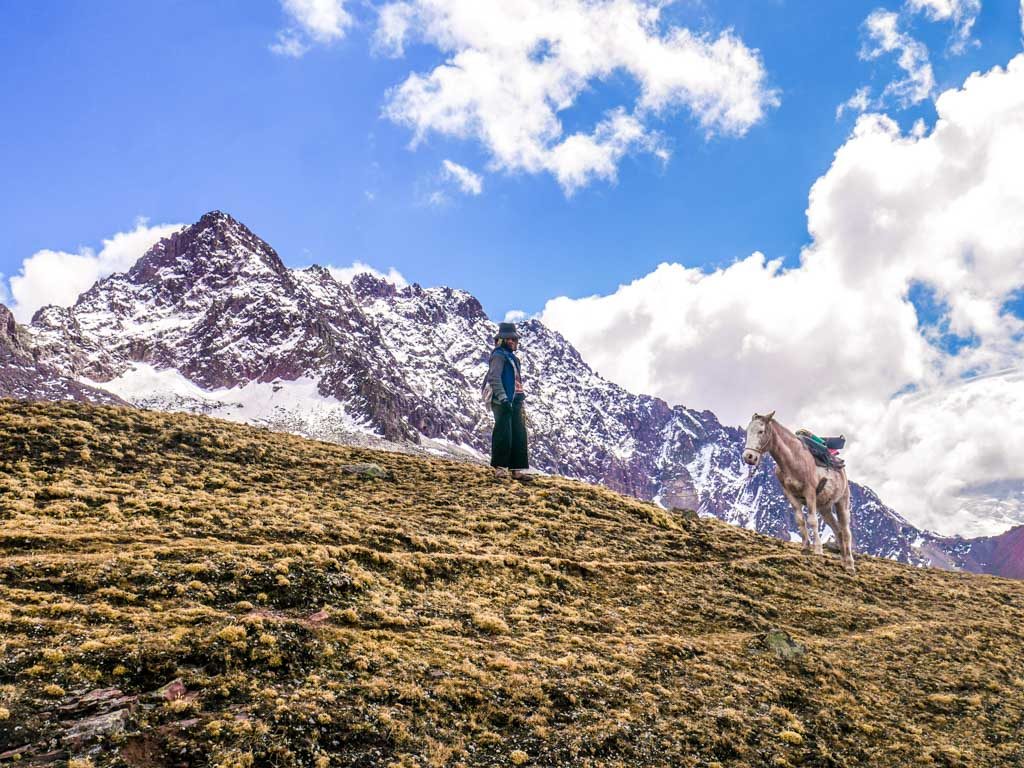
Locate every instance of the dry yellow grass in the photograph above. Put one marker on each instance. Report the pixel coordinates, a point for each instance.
(319, 616)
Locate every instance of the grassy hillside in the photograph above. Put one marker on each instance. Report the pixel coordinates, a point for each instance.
(176, 590)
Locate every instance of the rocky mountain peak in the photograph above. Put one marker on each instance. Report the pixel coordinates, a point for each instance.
(368, 287)
(216, 246)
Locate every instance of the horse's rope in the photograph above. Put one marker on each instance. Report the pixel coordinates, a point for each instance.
(760, 450)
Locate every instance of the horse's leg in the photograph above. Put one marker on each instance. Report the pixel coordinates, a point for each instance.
(827, 513)
(844, 533)
(798, 515)
(812, 520)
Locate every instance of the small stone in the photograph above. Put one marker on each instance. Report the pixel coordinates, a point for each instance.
(100, 694)
(373, 471)
(319, 617)
(49, 757)
(173, 691)
(93, 728)
(782, 645)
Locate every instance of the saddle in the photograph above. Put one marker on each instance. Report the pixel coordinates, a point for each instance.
(823, 449)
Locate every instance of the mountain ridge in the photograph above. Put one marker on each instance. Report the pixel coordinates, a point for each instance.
(210, 320)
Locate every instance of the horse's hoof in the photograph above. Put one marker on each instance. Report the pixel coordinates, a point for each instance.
(806, 551)
(819, 552)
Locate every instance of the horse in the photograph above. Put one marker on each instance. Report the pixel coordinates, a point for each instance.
(804, 483)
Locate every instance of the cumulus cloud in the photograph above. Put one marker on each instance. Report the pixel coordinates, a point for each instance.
(312, 21)
(346, 274)
(59, 277)
(954, 449)
(917, 251)
(515, 316)
(469, 182)
(394, 24)
(884, 31)
(513, 70)
(963, 14)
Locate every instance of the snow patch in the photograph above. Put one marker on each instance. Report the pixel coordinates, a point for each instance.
(293, 406)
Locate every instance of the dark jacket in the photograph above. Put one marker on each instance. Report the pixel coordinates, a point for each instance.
(501, 374)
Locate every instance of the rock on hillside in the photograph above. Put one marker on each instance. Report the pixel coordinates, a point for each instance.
(211, 321)
(229, 596)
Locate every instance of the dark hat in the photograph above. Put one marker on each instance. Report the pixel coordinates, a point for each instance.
(507, 331)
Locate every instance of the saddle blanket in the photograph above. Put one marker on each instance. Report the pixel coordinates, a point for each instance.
(823, 457)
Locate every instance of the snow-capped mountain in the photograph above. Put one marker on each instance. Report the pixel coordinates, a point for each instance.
(210, 320)
(22, 376)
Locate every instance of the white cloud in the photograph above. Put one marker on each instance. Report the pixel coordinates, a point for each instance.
(945, 449)
(313, 21)
(345, 274)
(883, 29)
(515, 316)
(290, 43)
(437, 199)
(829, 342)
(963, 14)
(469, 182)
(859, 102)
(394, 23)
(59, 277)
(514, 68)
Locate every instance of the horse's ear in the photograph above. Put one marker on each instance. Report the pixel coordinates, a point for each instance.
(770, 416)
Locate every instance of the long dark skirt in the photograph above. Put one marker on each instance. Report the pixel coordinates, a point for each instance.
(508, 441)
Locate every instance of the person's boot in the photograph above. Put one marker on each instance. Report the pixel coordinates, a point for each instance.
(500, 474)
(522, 475)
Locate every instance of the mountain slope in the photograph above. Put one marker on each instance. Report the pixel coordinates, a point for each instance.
(230, 596)
(23, 377)
(211, 321)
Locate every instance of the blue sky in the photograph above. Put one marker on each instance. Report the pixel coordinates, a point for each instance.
(116, 110)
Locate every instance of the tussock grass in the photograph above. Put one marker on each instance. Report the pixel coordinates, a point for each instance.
(430, 616)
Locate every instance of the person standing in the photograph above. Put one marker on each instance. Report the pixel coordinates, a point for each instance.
(505, 377)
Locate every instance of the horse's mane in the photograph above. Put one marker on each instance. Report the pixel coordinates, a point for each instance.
(783, 428)
(773, 422)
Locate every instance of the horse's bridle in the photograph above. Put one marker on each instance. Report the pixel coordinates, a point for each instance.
(760, 450)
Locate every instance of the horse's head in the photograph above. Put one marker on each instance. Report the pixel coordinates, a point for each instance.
(759, 436)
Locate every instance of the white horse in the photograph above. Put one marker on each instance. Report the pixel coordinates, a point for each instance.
(804, 483)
